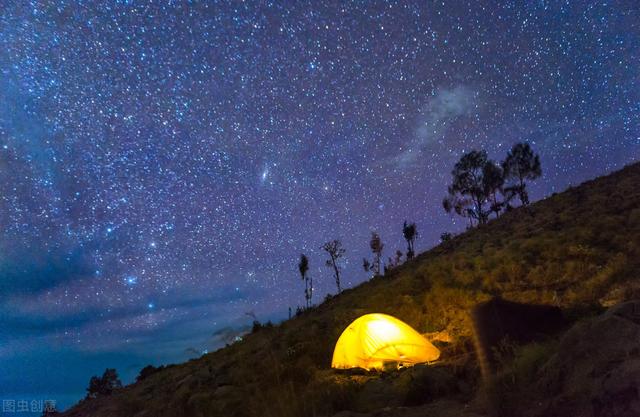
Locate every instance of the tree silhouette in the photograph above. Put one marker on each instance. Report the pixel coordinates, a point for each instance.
(110, 380)
(105, 385)
(520, 165)
(493, 180)
(394, 262)
(95, 387)
(468, 191)
(376, 247)
(366, 265)
(303, 267)
(410, 233)
(336, 251)
(458, 205)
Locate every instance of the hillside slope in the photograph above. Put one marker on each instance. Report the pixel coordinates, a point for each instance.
(579, 249)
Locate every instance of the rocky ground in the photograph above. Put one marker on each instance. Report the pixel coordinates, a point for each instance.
(596, 370)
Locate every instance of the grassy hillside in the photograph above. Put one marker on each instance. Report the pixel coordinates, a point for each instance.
(579, 249)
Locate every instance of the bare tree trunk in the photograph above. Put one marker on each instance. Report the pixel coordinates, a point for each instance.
(337, 272)
(481, 218)
(524, 198)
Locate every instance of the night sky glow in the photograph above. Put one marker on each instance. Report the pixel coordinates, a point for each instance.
(164, 164)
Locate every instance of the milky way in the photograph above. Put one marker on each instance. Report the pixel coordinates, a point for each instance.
(162, 167)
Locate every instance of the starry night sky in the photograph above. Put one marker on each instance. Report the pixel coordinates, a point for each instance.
(163, 165)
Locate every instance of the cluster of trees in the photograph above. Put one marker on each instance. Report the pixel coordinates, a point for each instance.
(104, 385)
(110, 381)
(335, 252)
(481, 186)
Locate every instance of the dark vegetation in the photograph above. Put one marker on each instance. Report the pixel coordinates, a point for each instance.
(410, 233)
(147, 371)
(480, 186)
(303, 267)
(578, 250)
(375, 265)
(104, 385)
(335, 251)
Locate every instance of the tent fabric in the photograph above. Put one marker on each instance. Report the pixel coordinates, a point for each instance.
(373, 340)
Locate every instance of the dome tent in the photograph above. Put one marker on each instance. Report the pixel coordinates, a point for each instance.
(374, 340)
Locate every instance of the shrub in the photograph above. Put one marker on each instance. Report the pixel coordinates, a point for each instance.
(515, 382)
(104, 385)
(428, 383)
(147, 371)
(446, 237)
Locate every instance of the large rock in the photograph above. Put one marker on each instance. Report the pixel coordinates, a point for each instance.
(596, 370)
(497, 320)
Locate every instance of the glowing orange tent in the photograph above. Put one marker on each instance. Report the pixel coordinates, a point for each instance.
(374, 340)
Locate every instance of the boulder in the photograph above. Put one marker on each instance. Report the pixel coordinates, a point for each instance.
(497, 320)
(596, 369)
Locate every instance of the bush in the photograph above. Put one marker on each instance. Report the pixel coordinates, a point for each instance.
(515, 382)
(147, 371)
(428, 383)
(105, 385)
(256, 326)
(446, 237)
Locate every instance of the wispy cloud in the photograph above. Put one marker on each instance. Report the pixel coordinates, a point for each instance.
(434, 119)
